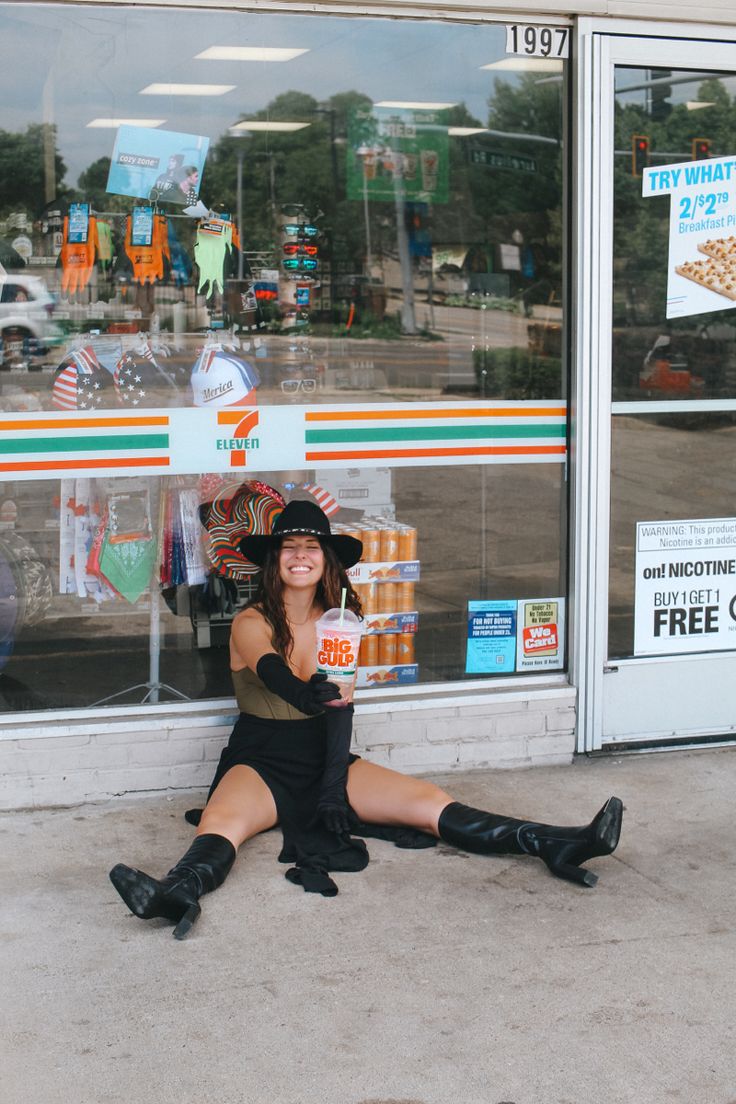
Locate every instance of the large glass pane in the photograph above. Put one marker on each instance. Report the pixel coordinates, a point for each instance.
(270, 212)
(663, 468)
(662, 118)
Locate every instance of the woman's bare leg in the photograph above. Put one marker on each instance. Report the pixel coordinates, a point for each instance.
(241, 807)
(382, 796)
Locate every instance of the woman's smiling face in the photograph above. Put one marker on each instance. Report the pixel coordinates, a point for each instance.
(301, 561)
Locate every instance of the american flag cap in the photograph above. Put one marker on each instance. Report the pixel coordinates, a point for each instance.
(80, 383)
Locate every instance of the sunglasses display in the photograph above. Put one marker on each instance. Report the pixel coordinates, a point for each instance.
(300, 230)
(290, 387)
(291, 248)
(300, 263)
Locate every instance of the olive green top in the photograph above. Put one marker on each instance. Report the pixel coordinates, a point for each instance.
(255, 698)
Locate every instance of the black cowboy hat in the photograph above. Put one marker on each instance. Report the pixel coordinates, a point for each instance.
(303, 518)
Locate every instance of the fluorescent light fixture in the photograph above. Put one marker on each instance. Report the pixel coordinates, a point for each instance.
(186, 89)
(418, 105)
(250, 53)
(527, 64)
(268, 125)
(465, 132)
(111, 124)
(696, 105)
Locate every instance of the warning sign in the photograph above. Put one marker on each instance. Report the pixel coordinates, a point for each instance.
(540, 640)
(685, 595)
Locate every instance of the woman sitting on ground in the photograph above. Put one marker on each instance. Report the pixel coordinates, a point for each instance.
(288, 762)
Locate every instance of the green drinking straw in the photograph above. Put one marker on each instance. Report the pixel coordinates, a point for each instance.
(342, 605)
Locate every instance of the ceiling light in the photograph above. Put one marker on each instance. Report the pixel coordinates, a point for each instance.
(418, 105)
(465, 132)
(110, 124)
(266, 124)
(250, 53)
(186, 89)
(695, 105)
(528, 64)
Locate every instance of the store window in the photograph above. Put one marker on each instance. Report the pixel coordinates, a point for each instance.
(248, 257)
(674, 331)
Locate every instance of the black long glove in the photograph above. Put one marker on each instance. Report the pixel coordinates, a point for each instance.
(307, 697)
(332, 806)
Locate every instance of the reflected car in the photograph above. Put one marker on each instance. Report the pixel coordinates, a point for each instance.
(27, 328)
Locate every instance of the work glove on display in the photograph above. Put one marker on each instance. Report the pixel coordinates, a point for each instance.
(332, 807)
(213, 244)
(77, 258)
(308, 697)
(147, 261)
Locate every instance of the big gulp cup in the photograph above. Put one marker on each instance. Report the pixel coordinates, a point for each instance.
(337, 650)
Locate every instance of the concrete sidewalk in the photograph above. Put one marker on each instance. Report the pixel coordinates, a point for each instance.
(433, 978)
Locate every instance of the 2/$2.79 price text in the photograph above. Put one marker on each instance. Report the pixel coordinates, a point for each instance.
(706, 203)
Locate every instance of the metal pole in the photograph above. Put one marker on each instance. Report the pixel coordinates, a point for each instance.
(239, 201)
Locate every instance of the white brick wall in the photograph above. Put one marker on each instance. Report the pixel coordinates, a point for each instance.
(63, 763)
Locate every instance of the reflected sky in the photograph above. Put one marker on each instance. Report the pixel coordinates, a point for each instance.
(71, 64)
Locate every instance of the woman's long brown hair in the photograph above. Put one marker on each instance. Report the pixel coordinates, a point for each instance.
(269, 598)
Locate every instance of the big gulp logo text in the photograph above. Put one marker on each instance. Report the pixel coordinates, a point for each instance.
(336, 653)
(239, 443)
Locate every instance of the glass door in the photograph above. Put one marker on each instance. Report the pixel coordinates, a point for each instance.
(663, 614)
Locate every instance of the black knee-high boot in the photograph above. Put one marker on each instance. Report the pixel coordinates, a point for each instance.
(176, 897)
(562, 849)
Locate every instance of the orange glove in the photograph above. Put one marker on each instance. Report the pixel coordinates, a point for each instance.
(77, 258)
(148, 260)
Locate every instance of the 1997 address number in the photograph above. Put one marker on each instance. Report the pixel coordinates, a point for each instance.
(537, 41)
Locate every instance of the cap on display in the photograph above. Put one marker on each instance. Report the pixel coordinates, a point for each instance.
(220, 379)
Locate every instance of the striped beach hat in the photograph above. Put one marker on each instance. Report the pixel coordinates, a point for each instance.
(238, 510)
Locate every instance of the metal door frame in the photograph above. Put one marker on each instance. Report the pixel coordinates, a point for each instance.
(600, 45)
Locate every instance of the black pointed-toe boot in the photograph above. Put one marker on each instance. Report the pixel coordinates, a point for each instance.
(176, 897)
(562, 849)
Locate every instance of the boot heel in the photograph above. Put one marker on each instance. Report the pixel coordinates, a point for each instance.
(576, 874)
(187, 921)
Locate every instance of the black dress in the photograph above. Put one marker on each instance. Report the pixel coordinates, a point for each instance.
(287, 750)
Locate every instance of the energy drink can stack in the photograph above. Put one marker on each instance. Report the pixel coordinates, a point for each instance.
(407, 543)
(369, 651)
(387, 597)
(389, 544)
(387, 649)
(371, 539)
(404, 597)
(405, 647)
(368, 599)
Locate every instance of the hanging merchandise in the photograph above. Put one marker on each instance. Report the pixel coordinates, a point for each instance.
(182, 558)
(221, 379)
(105, 249)
(79, 240)
(212, 247)
(127, 552)
(239, 510)
(8, 609)
(147, 245)
(32, 581)
(181, 265)
(81, 383)
(140, 380)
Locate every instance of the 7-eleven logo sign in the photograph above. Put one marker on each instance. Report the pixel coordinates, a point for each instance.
(239, 442)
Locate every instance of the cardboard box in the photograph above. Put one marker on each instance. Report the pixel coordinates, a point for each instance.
(358, 488)
(403, 571)
(391, 622)
(400, 674)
